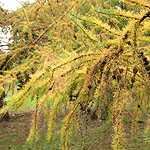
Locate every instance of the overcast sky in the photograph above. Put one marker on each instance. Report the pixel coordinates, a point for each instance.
(13, 4)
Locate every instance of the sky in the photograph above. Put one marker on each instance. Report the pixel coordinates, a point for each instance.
(13, 4)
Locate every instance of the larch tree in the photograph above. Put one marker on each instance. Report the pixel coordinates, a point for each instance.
(89, 57)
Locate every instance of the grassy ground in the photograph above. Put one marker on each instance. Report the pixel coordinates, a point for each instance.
(14, 132)
(97, 136)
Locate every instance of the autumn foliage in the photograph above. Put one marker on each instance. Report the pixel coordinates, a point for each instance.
(79, 58)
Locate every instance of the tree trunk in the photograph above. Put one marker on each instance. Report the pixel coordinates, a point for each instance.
(3, 116)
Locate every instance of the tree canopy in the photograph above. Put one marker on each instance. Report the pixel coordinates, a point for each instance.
(89, 57)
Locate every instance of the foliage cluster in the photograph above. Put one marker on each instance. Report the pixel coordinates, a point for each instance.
(79, 58)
